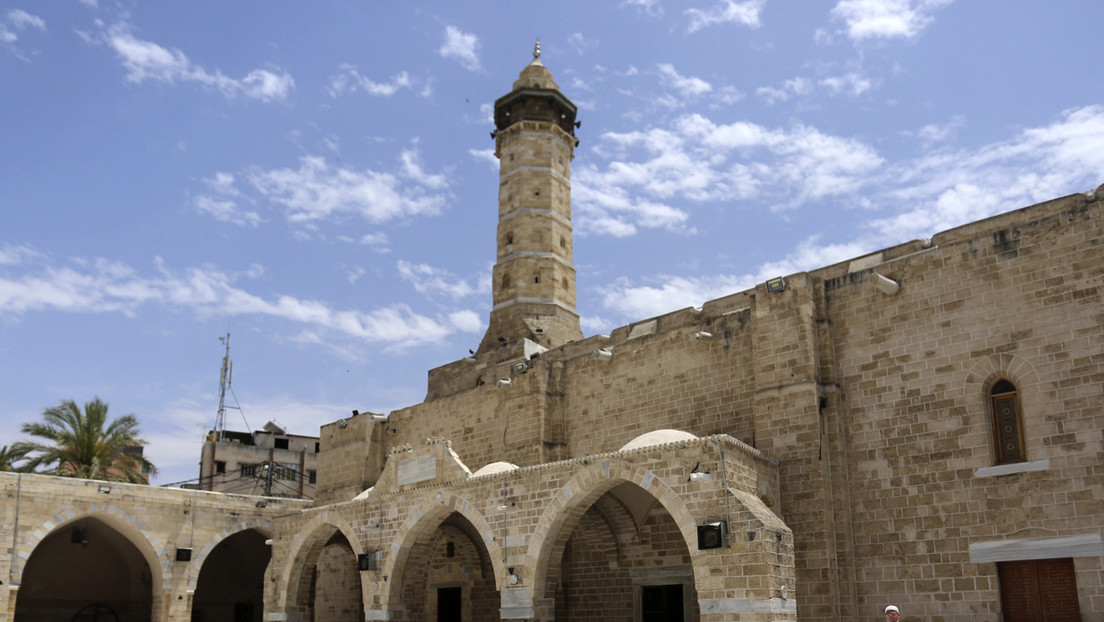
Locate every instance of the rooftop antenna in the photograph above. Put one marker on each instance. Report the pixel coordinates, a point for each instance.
(226, 376)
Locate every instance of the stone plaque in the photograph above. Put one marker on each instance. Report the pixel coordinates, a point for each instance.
(420, 469)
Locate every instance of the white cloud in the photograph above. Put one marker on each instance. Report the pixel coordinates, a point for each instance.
(429, 280)
(461, 46)
(651, 174)
(851, 83)
(580, 43)
(378, 242)
(12, 255)
(886, 19)
(23, 20)
(223, 206)
(485, 155)
(12, 24)
(936, 133)
(745, 13)
(412, 169)
(145, 60)
(317, 191)
(102, 286)
(351, 80)
(910, 199)
(688, 87)
(651, 8)
(793, 87)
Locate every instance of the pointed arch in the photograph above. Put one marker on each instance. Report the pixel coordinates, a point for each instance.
(199, 556)
(423, 519)
(131, 527)
(577, 495)
(305, 549)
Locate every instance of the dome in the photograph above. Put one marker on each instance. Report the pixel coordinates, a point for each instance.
(495, 467)
(658, 437)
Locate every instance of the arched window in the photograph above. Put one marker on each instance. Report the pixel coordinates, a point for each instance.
(1008, 438)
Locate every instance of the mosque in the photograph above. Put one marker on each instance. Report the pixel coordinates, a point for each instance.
(921, 426)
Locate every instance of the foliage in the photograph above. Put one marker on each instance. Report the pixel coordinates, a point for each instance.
(84, 444)
(9, 456)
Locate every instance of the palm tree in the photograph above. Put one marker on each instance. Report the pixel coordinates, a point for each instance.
(84, 445)
(8, 457)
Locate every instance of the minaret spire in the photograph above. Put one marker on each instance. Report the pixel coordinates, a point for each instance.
(534, 278)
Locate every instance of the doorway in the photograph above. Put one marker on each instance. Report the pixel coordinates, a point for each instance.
(448, 604)
(661, 603)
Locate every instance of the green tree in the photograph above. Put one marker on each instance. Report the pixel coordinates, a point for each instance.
(8, 457)
(84, 444)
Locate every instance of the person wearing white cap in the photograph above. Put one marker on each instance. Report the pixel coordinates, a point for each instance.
(892, 613)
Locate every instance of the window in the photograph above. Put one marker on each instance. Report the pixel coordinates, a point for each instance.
(1004, 405)
(249, 470)
(312, 476)
(281, 443)
(316, 447)
(220, 466)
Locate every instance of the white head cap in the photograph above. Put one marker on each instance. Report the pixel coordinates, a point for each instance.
(892, 608)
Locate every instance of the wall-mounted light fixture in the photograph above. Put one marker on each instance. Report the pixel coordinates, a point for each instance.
(503, 383)
(105, 489)
(701, 334)
(776, 285)
(603, 354)
(380, 417)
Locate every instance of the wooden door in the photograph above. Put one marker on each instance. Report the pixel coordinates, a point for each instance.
(1042, 590)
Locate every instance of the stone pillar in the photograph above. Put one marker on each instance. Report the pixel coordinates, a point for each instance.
(788, 426)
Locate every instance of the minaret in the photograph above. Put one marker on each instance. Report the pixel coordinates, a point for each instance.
(534, 279)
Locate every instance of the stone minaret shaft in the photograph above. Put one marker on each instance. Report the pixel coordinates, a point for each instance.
(534, 279)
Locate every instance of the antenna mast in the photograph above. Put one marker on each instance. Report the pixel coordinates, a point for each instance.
(225, 378)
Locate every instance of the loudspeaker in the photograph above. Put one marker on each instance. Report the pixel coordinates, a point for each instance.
(183, 554)
(713, 536)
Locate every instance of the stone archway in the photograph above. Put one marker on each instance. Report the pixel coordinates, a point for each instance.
(448, 551)
(616, 547)
(88, 564)
(229, 586)
(324, 563)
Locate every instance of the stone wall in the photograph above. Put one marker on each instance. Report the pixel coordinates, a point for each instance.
(153, 521)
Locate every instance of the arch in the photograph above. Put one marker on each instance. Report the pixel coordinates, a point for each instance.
(986, 371)
(148, 543)
(426, 517)
(198, 557)
(582, 491)
(229, 583)
(305, 549)
(125, 562)
(980, 381)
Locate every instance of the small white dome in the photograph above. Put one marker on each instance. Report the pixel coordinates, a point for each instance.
(495, 467)
(658, 437)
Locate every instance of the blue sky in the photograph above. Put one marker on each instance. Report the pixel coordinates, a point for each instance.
(318, 179)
